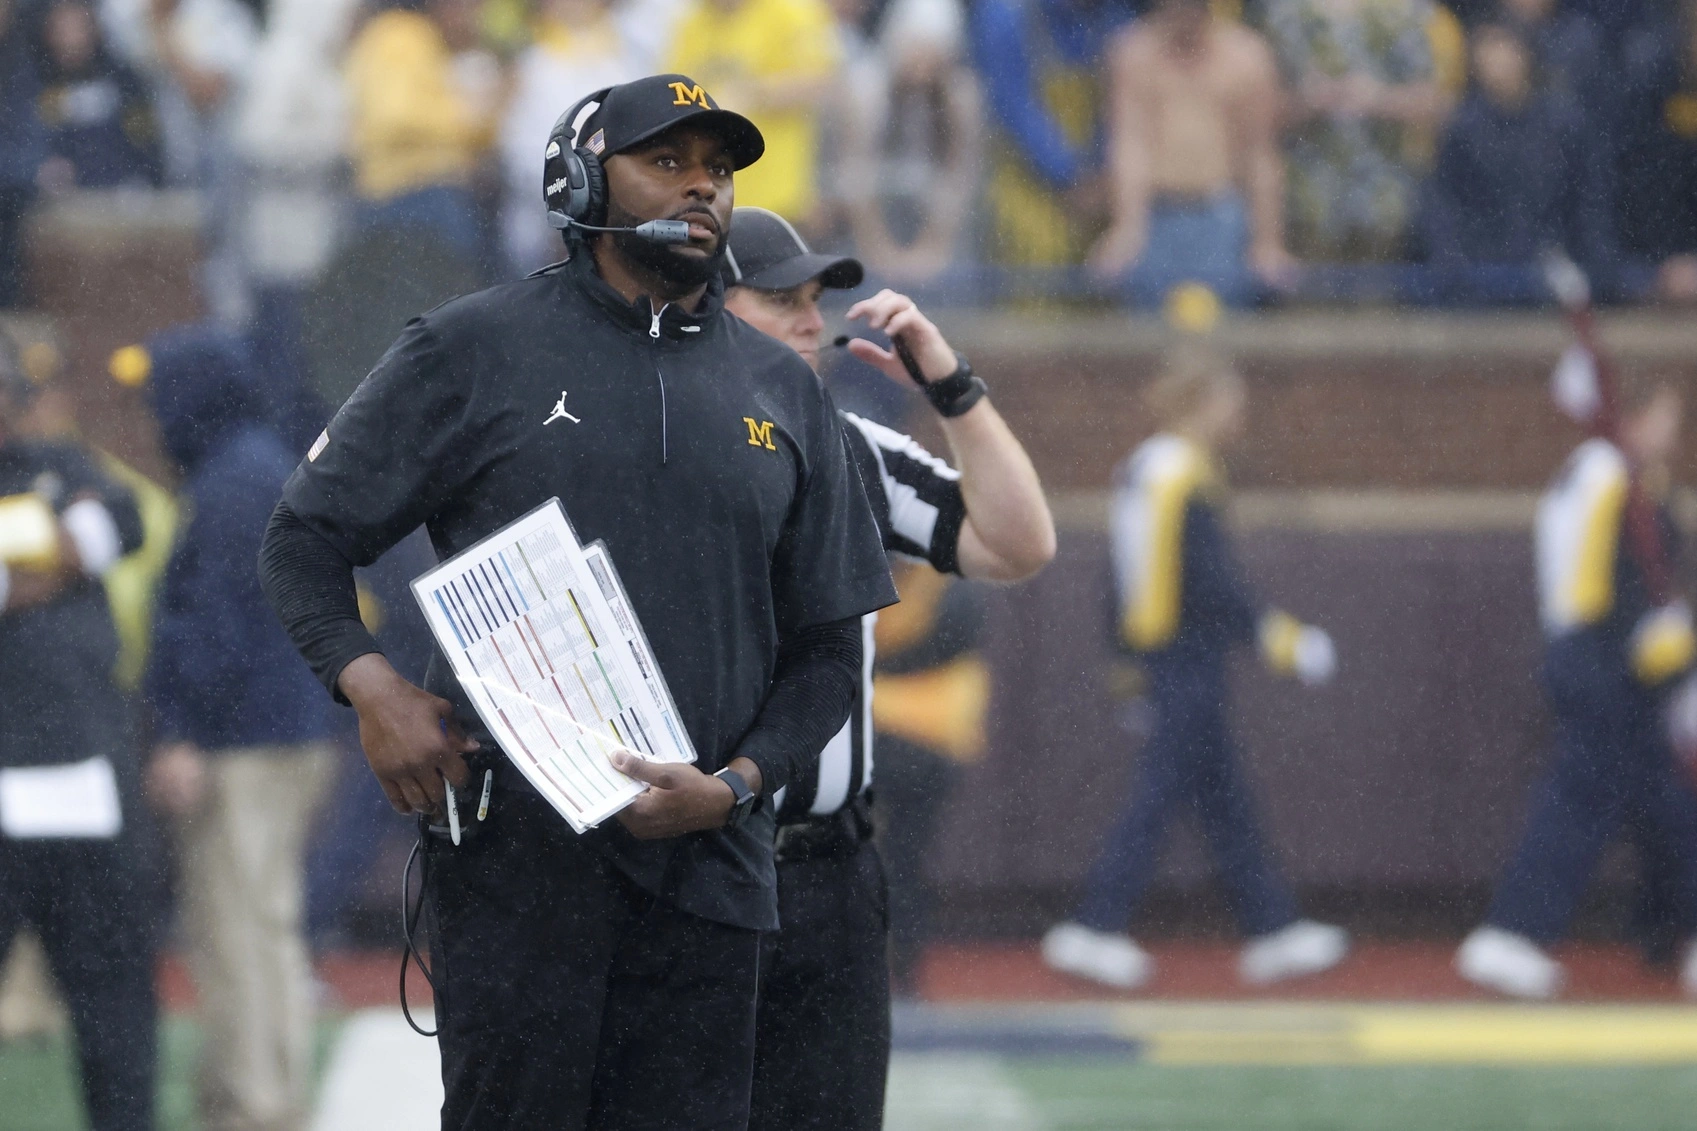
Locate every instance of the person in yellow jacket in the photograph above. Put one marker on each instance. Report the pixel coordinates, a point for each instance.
(1183, 606)
(421, 117)
(775, 61)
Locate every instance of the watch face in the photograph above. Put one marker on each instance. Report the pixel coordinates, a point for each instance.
(745, 798)
(739, 811)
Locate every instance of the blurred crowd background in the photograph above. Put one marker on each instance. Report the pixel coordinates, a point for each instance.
(1337, 150)
(286, 181)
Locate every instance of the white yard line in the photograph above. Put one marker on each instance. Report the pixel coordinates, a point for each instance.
(382, 1077)
(946, 1091)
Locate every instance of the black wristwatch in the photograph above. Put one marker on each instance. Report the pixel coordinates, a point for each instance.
(959, 391)
(952, 395)
(746, 798)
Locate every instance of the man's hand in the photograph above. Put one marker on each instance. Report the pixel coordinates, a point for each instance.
(409, 735)
(176, 779)
(31, 588)
(1273, 265)
(1677, 279)
(896, 315)
(680, 798)
(1118, 251)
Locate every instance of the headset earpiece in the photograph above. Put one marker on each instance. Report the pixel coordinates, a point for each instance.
(574, 185)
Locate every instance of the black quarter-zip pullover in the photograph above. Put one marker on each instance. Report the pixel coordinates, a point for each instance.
(704, 453)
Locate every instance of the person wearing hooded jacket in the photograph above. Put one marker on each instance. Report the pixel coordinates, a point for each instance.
(242, 736)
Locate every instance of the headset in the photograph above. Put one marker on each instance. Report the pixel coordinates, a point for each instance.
(574, 185)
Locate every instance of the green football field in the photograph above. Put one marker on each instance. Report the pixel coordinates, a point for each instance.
(1150, 1066)
(932, 1091)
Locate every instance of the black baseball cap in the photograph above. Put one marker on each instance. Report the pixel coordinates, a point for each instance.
(633, 112)
(766, 253)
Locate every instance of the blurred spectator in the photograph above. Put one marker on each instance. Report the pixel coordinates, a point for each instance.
(241, 753)
(23, 147)
(776, 62)
(71, 859)
(99, 116)
(132, 583)
(1612, 19)
(1198, 181)
(1047, 185)
(648, 25)
(912, 142)
(1365, 95)
(201, 52)
(193, 54)
(288, 130)
(580, 47)
(1656, 136)
(422, 105)
(1517, 174)
(1567, 57)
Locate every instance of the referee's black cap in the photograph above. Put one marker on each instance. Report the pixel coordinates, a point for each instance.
(766, 253)
(634, 112)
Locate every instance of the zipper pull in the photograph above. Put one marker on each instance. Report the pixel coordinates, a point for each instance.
(654, 326)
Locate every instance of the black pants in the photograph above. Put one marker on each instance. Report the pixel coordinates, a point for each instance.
(89, 901)
(822, 1049)
(912, 785)
(570, 998)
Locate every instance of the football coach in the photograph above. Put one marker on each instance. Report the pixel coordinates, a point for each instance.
(606, 980)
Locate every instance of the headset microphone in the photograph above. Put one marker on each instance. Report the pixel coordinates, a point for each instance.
(654, 231)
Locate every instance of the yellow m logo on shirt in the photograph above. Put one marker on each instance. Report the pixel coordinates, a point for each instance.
(760, 433)
(689, 95)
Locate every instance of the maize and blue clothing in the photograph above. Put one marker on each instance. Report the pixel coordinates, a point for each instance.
(88, 896)
(1613, 766)
(1183, 606)
(1046, 108)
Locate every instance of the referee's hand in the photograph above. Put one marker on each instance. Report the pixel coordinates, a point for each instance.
(409, 735)
(680, 798)
(897, 316)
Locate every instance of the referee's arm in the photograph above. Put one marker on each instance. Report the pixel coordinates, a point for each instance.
(1008, 533)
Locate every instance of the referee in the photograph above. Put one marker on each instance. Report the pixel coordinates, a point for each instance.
(823, 1037)
(604, 980)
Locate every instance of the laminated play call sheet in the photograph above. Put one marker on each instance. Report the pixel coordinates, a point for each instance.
(542, 636)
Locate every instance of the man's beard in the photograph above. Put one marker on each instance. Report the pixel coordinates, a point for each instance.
(665, 261)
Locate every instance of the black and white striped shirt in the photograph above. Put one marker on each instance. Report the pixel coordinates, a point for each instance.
(917, 503)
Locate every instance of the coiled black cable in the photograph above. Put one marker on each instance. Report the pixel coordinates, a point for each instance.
(411, 910)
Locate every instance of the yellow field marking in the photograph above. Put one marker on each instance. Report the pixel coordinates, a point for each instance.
(1318, 1033)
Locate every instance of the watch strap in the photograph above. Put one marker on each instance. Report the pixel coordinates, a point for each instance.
(955, 394)
(745, 798)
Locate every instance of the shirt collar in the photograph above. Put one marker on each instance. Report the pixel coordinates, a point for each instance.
(675, 321)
